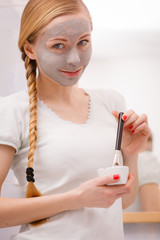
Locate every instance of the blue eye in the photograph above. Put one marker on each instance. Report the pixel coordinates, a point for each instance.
(58, 46)
(83, 42)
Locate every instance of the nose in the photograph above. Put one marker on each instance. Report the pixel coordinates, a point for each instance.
(73, 57)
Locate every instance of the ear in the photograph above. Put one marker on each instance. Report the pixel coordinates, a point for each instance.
(29, 50)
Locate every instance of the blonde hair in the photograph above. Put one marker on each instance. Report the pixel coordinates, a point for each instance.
(36, 15)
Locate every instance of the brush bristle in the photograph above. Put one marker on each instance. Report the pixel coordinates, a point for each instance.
(32, 191)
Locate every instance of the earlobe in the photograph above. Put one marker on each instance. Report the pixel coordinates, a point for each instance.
(29, 50)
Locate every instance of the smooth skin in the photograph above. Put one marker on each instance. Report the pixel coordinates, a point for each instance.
(149, 192)
(93, 193)
(132, 141)
(150, 197)
(71, 103)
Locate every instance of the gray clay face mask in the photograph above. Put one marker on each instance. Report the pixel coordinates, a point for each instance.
(62, 54)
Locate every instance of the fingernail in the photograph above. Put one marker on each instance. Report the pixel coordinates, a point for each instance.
(133, 131)
(131, 174)
(131, 127)
(116, 177)
(124, 117)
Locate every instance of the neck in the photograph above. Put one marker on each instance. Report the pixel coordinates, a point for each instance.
(51, 91)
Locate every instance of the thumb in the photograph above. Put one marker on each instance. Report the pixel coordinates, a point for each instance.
(101, 181)
(115, 114)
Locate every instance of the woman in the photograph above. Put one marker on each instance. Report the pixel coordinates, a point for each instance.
(73, 137)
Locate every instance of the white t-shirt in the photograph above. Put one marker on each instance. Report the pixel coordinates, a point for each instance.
(67, 155)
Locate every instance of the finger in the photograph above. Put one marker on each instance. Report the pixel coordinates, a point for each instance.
(131, 120)
(143, 127)
(123, 189)
(141, 119)
(130, 180)
(101, 181)
(115, 114)
(127, 115)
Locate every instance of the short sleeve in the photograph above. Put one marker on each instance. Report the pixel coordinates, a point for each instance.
(112, 100)
(117, 101)
(11, 122)
(148, 168)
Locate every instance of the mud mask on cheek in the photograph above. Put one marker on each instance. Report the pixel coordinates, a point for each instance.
(65, 68)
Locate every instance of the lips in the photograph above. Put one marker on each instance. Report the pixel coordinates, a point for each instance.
(72, 74)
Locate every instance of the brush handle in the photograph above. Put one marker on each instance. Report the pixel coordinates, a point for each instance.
(119, 132)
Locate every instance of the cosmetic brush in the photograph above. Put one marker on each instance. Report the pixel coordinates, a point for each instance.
(116, 161)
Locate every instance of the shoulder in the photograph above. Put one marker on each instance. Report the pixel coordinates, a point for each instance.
(110, 97)
(147, 159)
(14, 119)
(14, 102)
(148, 168)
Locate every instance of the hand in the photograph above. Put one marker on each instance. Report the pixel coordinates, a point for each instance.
(96, 193)
(135, 132)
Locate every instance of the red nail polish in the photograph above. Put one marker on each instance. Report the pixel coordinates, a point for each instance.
(124, 117)
(116, 177)
(133, 131)
(131, 127)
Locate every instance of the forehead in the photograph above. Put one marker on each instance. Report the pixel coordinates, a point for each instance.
(66, 27)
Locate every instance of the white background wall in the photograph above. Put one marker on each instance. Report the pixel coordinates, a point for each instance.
(126, 57)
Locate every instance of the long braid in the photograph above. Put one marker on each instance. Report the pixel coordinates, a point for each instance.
(36, 15)
(32, 92)
(30, 66)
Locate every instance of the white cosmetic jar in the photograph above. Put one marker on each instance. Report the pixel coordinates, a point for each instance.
(121, 170)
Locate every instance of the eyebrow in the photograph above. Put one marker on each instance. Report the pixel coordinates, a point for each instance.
(59, 39)
(86, 35)
(63, 39)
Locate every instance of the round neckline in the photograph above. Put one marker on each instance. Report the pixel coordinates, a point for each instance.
(53, 113)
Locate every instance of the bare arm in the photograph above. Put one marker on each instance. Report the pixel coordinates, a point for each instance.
(93, 193)
(128, 199)
(31, 209)
(135, 134)
(149, 196)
